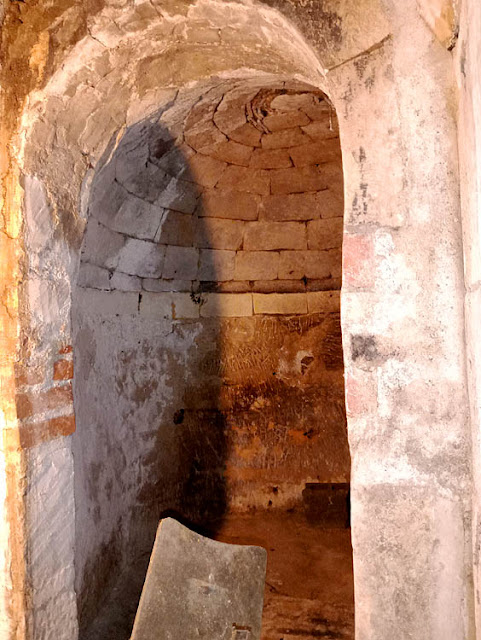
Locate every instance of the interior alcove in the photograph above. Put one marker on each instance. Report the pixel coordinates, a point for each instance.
(208, 354)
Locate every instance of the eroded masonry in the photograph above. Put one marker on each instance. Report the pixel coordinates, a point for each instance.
(235, 243)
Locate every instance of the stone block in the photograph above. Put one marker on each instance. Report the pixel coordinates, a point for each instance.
(159, 285)
(135, 217)
(123, 282)
(267, 236)
(216, 265)
(256, 265)
(295, 265)
(184, 305)
(94, 277)
(227, 305)
(156, 305)
(179, 195)
(325, 234)
(280, 303)
(318, 152)
(245, 179)
(203, 135)
(139, 176)
(270, 159)
(141, 258)
(228, 204)
(278, 286)
(323, 129)
(170, 157)
(292, 102)
(293, 206)
(246, 134)
(231, 152)
(181, 263)
(298, 180)
(177, 229)
(215, 233)
(108, 303)
(284, 139)
(318, 110)
(102, 246)
(204, 170)
(323, 301)
(281, 121)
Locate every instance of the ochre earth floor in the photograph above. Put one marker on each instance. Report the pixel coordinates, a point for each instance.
(309, 585)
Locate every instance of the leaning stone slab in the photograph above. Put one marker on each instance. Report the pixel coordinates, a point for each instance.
(200, 589)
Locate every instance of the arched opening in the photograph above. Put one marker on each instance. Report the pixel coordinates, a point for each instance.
(208, 355)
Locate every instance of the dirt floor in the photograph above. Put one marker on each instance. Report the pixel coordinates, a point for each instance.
(309, 585)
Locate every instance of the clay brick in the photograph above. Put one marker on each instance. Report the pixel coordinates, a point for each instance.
(246, 134)
(294, 265)
(216, 265)
(38, 432)
(181, 263)
(325, 234)
(63, 370)
(177, 229)
(323, 301)
(227, 305)
(256, 265)
(298, 180)
(66, 349)
(204, 170)
(323, 129)
(318, 152)
(279, 122)
(293, 206)
(358, 261)
(141, 258)
(231, 152)
(267, 236)
(245, 179)
(284, 139)
(29, 404)
(280, 303)
(215, 233)
(270, 159)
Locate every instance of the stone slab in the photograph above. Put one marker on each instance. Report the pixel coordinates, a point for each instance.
(200, 589)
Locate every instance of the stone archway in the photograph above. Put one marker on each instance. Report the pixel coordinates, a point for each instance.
(401, 328)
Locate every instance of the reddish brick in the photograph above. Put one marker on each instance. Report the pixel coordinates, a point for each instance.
(38, 432)
(63, 370)
(29, 404)
(358, 261)
(66, 349)
(270, 159)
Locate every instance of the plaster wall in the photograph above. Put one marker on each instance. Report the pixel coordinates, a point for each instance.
(402, 325)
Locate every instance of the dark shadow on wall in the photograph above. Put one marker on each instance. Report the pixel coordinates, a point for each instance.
(150, 437)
